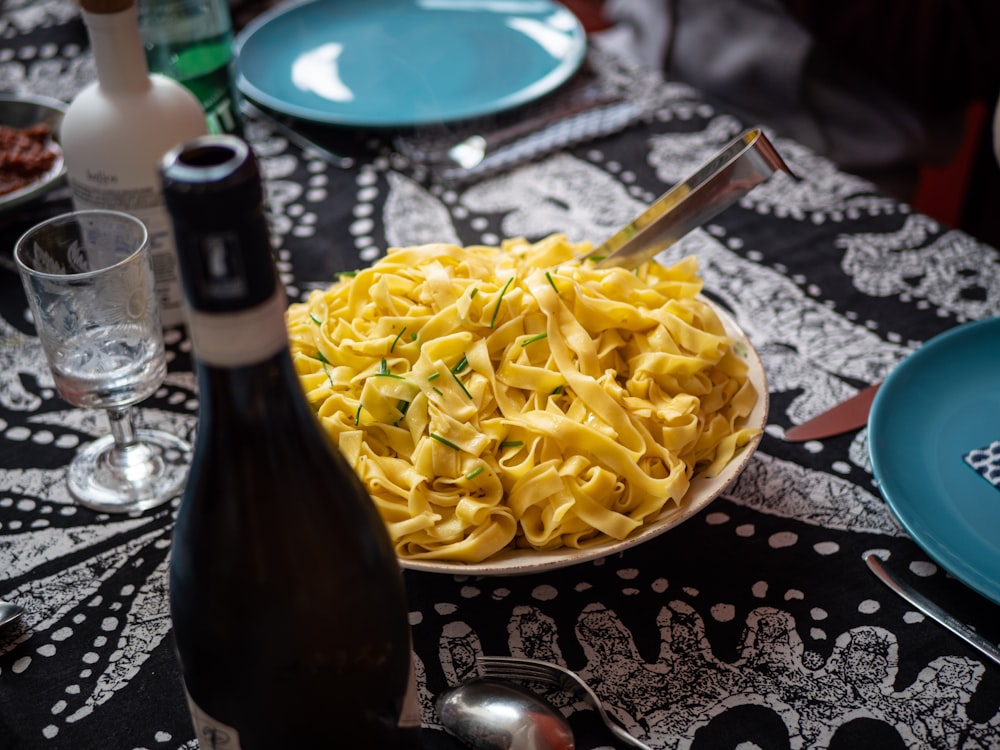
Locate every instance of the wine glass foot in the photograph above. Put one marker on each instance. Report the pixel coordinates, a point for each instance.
(140, 476)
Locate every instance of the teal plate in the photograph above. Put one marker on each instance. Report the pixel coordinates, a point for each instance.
(398, 63)
(941, 402)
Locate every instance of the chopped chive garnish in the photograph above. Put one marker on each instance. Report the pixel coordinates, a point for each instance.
(462, 364)
(461, 385)
(357, 414)
(385, 372)
(316, 319)
(413, 337)
(551, 282)
(496, 309)
(445, 441)
(348, 274)
(474, 292)
(396, 340)
(533, 339)
(437, 390)
(474, 473)
(557, 391)
(403, 407)
(433, 376)
(511, 443)
(321, 357)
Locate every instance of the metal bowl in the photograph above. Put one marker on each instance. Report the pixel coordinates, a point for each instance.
(25, 110)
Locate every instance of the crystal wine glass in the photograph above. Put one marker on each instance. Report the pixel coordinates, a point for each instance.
(89, 283)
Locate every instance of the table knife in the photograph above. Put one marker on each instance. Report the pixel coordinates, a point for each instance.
(299, 139)
(848, 415)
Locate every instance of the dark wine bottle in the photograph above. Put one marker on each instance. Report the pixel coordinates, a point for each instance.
(288, 606)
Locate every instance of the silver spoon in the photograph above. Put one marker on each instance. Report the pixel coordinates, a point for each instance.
(490, 714)
(9, 612)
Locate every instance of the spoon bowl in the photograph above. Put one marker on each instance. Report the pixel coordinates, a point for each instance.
(9, 612)
(491, 714)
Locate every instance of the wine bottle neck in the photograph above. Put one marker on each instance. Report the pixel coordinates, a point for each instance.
(118, 52)
(237, 339)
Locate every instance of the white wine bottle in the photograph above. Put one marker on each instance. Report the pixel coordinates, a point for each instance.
(289, 611)
(116, 131)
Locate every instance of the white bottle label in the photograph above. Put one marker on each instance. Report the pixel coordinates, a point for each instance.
(212, 734)
(241, 338)
(145, 204)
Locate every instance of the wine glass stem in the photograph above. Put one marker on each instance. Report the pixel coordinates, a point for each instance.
(129, 458)
(122, 427)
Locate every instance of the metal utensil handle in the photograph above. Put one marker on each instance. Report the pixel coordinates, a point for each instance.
(733, 172)
(302, 141)
(931, 609)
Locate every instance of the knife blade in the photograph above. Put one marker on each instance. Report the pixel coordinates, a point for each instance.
(848, 415)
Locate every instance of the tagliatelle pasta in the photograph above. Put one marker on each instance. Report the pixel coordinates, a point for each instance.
(491, 397)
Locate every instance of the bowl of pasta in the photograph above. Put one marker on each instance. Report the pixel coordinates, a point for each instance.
(513, 409)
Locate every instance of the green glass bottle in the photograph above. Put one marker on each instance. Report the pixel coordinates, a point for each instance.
(191, 41)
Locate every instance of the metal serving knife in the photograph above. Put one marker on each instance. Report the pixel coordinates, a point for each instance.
(848, 415)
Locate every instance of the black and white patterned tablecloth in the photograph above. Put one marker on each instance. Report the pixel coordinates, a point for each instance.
(753, 625)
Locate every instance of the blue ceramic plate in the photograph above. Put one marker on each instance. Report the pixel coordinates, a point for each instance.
(941, 402)
(392, 63)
